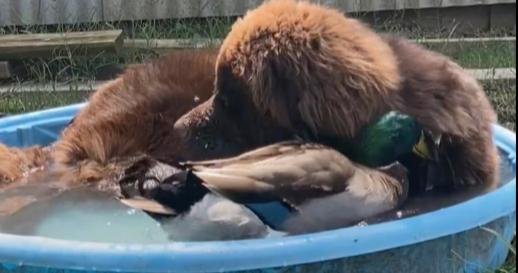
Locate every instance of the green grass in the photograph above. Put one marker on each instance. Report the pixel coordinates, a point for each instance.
(479, 54)
(510, 266)
(503, 97)
(14, 103)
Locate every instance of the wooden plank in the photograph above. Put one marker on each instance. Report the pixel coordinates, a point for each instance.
(163, 46)
(493, 74)
(5, 70)
(44, 44)
(51, 87)
(466, 40)
(452, 45)
(166, 45)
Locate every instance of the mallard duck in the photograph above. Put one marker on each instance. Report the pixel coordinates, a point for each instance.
(292, 186)
(387, 139)
(397, 137)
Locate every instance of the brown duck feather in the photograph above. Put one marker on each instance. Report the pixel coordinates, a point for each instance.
(291, 171)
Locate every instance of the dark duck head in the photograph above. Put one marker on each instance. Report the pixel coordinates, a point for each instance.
(292, 186)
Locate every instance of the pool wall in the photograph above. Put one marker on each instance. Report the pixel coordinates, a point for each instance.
(470, 237)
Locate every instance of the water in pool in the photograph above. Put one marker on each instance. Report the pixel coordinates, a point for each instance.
(84, 214)
(437, 200)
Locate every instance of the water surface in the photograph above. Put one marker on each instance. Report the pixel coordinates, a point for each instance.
(84, 214)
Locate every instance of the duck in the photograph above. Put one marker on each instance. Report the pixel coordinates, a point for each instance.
(397, 137)
(293, 187)
(387, 139)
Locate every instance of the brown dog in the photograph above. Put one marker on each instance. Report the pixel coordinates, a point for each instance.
(312, 72)
(288, 68)
(131, 115)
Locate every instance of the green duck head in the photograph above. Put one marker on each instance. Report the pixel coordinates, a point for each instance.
(387, 139)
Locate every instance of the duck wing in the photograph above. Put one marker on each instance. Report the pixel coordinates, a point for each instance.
(305, 187)
(289, 171)
(279, 149)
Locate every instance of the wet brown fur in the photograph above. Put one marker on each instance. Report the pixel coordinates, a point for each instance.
(447, 100)
(136, 112)
(128, 116)
(15, 163)
(320, 74)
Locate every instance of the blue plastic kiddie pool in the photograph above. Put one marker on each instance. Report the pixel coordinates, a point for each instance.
(472, 236)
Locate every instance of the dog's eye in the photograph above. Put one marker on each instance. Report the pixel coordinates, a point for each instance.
(224, 101)
(212, 144)
(231, 103)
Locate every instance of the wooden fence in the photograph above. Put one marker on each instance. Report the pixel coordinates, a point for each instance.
(45, 12)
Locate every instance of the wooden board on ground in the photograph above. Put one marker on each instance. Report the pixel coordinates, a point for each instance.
(19, 46)
(467, 40)
(163, 46)
(51, 87)
(5, 70)
(493, 74)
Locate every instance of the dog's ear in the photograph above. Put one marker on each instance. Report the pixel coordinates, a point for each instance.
(303, 93)
(267, 85)
(275, 91)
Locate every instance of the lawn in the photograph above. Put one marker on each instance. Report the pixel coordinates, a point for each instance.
(503, 96)
(479, 54)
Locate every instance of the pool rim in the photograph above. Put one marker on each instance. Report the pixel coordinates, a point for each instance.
(258, 253)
